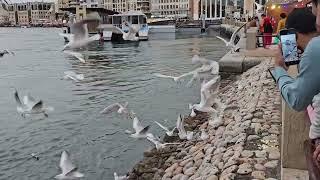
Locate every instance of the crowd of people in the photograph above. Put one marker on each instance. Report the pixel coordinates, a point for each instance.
(302, 93)
(267, 26)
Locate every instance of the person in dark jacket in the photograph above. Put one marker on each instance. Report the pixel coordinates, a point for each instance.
(267, 32)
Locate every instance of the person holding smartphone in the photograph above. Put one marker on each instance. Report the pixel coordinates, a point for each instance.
(299, 92)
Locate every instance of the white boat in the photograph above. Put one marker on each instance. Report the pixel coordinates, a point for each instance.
(113, 31)
(162, 28)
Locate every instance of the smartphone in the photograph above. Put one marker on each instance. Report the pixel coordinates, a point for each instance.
(289, 46)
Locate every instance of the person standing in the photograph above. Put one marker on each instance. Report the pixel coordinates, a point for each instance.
(267, 32)
(282, 22)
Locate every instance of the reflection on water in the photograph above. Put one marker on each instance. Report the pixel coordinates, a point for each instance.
(115, 72)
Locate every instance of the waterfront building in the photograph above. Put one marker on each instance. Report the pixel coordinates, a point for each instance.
(122, 6)
(170, 8)
(4, 14)
(31, 13)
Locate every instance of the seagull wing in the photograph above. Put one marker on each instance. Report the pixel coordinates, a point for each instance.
(79, 29)
(215, 67)
(65, 163)
(38, 106)
(163, 76)
(137, 125)
(70, 73)
(76, 54)
(144, 130)
(163, 127)
(222, 39)
(111, 108)
(16, 97)
(233, 37)
(29, 101)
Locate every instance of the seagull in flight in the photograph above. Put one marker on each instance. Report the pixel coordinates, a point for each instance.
(140, 131)
(207, 98)
(116, 107)
(80, 36)
(73, 76)
(116, 177)
(131, 34)
(158, 144)
(230, 43)
(30, 106)
(2, 53)
(259, 7)
(183, 134)
(77, 55)
(168, 132)
(69, 170)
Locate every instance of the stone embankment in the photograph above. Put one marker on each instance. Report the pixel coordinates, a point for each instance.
(245, 146)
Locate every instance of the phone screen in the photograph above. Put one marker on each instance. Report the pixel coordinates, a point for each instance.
(289, 48)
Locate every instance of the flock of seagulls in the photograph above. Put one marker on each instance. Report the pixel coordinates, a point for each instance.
(208, 73)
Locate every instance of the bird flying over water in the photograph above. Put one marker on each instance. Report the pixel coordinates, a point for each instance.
(69, 170)
(168, 132)
(80, 36)
(30, 106)
(230, 43)
(116, 107)
(2, 53)
(116, 177)
(140, 131)
(131, 34)
(158, 144)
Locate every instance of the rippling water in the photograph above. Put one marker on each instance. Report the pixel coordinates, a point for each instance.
(113, 73)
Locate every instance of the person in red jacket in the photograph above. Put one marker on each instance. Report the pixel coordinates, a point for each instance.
(267, 32)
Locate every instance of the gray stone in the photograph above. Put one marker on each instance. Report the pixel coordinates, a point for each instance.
(213, 177)
(271, 164)
(259, 167)
(200, 155)
(177, 177)
(253, 137)
(229, 163)
(274, 155)
(244, 168)
(230, 169)
(184, 162)
(248, 117)
(247, 153)
(171, 168)
(178, 170)
(261, 154)
(230, 176)
(184, 177)
(258, 174)
(190, 171)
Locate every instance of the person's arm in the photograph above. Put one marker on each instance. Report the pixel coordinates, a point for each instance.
(299, 92)
(279, 26)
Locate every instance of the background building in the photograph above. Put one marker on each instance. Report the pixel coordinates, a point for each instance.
(31, 13)
(170, 8)
(4, 14)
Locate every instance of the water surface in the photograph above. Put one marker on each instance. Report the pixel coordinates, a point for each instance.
(113, 73)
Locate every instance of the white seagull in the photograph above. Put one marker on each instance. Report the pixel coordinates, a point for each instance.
(69, 170)
(168, 132)
(116, 177)
(140, 131)
(131, 34)
(207, 97)
(230, 43)
(74, 76)
(80, 36)
(78, 55)
(259, 7)
(116, 107)
(2, 53)
(158, 144)
(30, 105)
(183, 134)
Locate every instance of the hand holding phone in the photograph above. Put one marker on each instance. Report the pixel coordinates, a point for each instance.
(289, 46)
